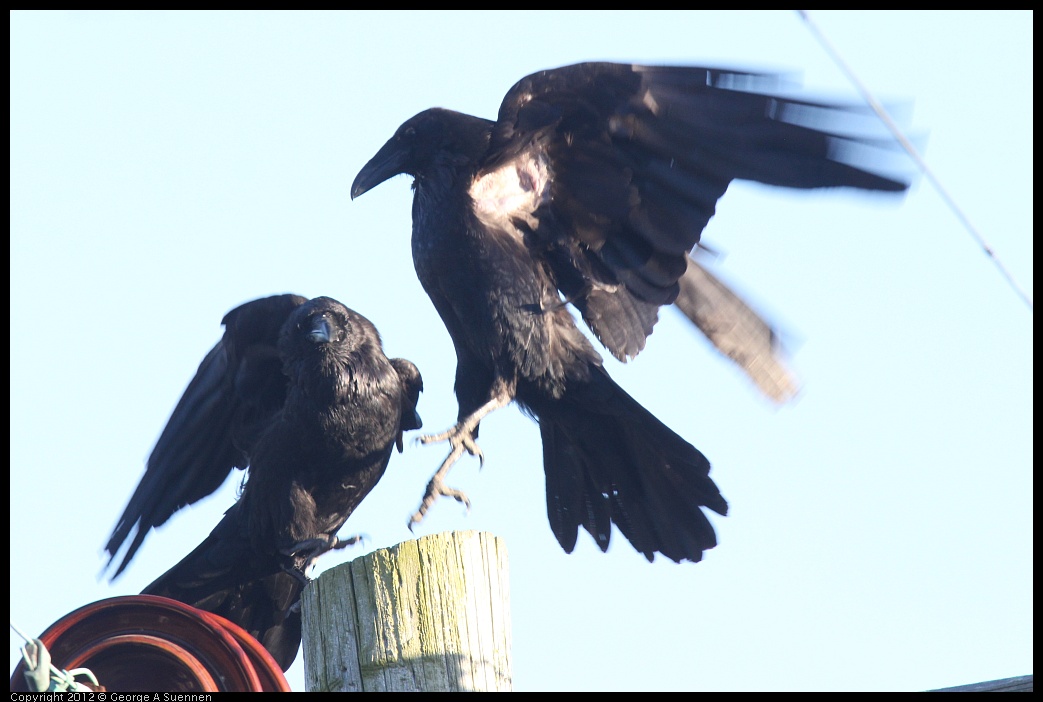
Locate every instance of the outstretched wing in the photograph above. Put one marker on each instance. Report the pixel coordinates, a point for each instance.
(237, 390)
(613, 170)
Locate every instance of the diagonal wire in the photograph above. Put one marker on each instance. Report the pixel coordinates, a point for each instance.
(911, 150)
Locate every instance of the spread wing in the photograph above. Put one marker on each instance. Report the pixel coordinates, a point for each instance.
(237, 390)
(612, 171)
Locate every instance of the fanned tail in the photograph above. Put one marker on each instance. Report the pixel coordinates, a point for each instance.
(608, 461)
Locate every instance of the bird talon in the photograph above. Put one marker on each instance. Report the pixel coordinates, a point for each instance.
(449, 434)
(475, 451)
(350, 541)
(435, 489)
(457, 495)
(298, 574)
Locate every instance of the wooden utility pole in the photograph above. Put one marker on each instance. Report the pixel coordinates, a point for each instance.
(428, 615)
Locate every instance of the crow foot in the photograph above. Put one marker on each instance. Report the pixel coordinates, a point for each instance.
(309, 550)
(461, 437)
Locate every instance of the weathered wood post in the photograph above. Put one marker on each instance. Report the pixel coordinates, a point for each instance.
(431, 614)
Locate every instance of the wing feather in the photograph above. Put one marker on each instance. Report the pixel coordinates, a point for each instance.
(237, 390)
(637, 157)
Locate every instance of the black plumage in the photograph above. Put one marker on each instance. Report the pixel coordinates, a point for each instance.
(299, 391)
(591, 188)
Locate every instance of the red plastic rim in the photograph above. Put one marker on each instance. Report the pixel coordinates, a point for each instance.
(144, 643)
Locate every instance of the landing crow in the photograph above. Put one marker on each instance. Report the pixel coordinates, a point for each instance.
(591, 188)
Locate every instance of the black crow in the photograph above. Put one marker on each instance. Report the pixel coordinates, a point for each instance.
(591, 188)
(300, 391)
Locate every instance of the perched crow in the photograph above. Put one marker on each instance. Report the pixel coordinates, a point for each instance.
(301, 392)
(591, 188)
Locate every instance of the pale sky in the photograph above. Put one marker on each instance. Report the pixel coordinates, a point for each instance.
(166, 167)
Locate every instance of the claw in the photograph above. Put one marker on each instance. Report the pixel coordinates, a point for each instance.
(436, 487)
(313, 547)
(461, 438)
(309, 551)
(297, 573)
(322, 544)
(353, 539)
(457, 434)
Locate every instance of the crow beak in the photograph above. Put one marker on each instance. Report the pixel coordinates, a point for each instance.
(320, 331)
(389, 161)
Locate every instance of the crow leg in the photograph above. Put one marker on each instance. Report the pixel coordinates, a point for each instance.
(461, 438)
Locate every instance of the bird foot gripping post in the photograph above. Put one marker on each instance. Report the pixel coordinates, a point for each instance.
(313, 548)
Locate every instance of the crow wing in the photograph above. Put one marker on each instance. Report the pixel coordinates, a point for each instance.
(613, 170)
(237, 390)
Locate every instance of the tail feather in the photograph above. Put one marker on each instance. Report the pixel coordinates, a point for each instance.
(226, 576)
(566, 507)
(609, 460)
